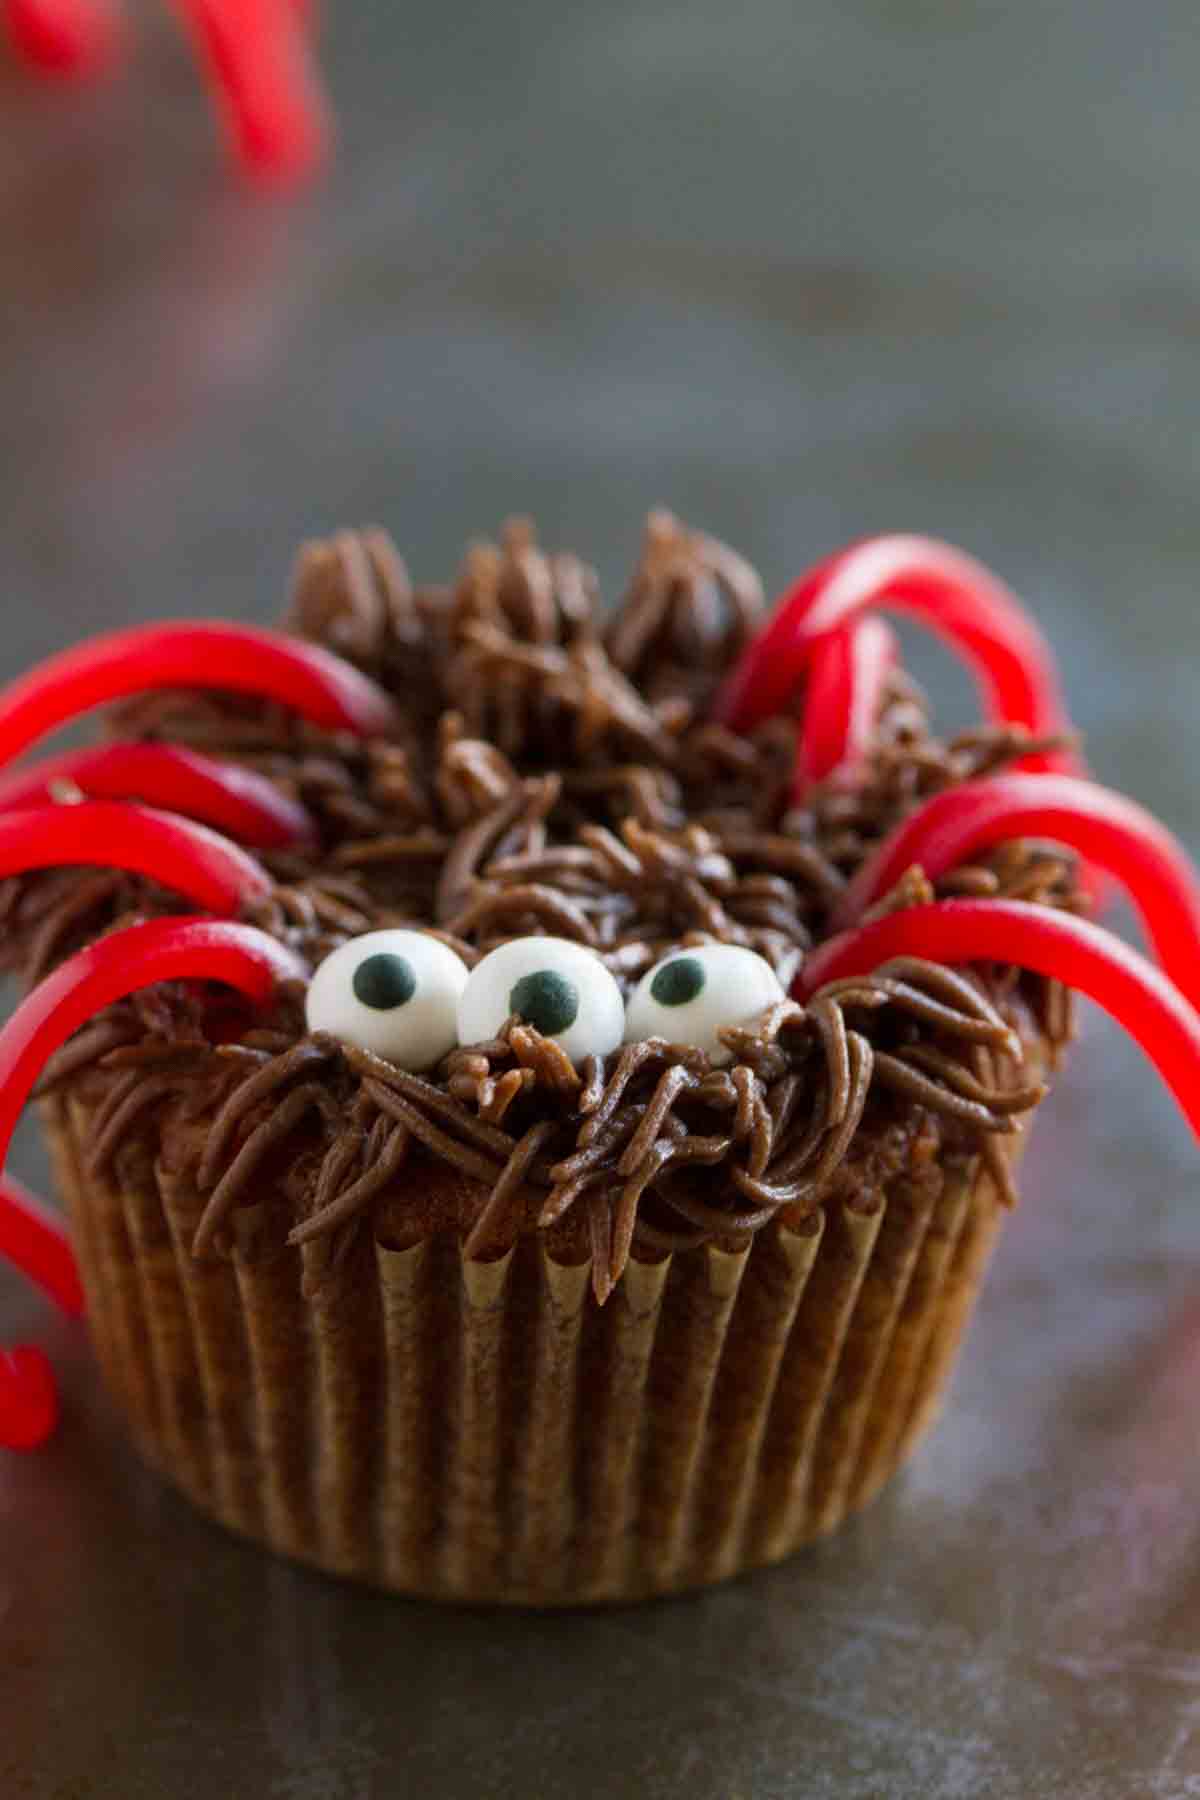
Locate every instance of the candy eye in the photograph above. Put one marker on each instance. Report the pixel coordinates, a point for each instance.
(561, 989)
(392, 992)
(691, 995)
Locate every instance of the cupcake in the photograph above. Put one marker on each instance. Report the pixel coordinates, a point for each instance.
(586, 1195)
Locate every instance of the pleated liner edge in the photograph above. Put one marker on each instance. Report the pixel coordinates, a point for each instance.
(483, 1431)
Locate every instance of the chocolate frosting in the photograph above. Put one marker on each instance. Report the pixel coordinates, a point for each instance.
(558, 773)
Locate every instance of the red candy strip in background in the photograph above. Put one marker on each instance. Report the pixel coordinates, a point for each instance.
(178, 853)
(951, 593)
(264, 83)
(232, 799)
(33, 1237)
(1057, 944)
(73, 39)
(1112, 832)
(847, 679)
(28, 1398)
(255, 52)
(239, 659)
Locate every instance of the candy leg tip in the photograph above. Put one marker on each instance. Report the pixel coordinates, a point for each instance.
(65, 40)
(29, 1407)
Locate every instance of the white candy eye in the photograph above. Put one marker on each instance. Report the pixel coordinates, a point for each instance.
(392, 992)
(691, 995)
(560, 988)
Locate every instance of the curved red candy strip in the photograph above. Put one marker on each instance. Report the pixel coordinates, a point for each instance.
(28, 1399)
(70, 38)
(34, 1239)
(240, 659)
(847, 678)
(1111, 831)
(179, 854)
(118, 965)
(264, 81)
(1056, 944)
(232, 799)
(950, 592)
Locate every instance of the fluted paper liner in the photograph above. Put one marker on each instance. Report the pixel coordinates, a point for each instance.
(483, 1430)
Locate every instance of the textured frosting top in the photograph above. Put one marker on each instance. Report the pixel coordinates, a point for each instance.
(557, 774)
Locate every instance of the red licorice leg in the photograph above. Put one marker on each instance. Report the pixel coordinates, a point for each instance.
(951, 593)
(231, 799)
(1055, 944)
(34, 1239)
(1112, 832)
(847, 679)
(181, 855)
(263, 79)
(120, 964)
(233, 658)
(180, 949)
(28, 1399)
(73, 39)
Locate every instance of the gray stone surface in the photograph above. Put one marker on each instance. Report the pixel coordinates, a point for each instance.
(800, 273)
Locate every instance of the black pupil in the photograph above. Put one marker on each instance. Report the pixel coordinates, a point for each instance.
(384, 981)
(678, 981)
(545, 1000)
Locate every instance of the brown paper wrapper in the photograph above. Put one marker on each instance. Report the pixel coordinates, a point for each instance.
(483, 1431)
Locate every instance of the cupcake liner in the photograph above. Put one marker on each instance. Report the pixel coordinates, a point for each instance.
(483, 1431)
(927, 1298)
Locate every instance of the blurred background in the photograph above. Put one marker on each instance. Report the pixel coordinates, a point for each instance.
(798, 272)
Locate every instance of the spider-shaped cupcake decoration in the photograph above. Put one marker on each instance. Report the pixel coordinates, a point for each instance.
(404, 998)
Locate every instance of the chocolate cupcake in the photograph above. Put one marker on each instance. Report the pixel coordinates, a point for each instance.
(555, 1242)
